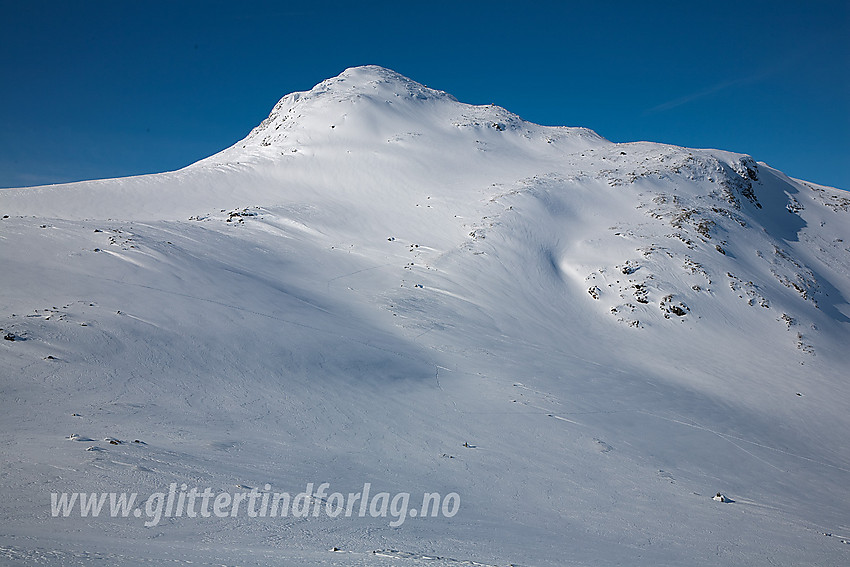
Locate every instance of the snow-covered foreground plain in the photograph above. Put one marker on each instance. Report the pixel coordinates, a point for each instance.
(585, 341)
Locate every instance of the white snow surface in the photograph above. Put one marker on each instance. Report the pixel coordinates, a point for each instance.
(378, 275)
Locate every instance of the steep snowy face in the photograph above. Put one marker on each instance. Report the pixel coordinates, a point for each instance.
(661, 239)
(374, 106)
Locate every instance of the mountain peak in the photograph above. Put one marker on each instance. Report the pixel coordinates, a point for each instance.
(371, 104)
(377, 80)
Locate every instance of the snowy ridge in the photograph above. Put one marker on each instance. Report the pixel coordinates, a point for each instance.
(388, 95)
(585, 340)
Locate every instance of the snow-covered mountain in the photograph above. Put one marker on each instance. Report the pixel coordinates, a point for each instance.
(584, 340)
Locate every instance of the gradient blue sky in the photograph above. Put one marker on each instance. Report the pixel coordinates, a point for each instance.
(108, 88)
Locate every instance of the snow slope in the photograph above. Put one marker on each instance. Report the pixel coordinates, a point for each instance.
(585, 340)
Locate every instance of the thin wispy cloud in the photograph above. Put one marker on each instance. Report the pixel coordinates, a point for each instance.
(700, 94)
(727, 84)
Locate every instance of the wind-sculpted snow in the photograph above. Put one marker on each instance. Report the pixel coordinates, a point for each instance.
(586, 341)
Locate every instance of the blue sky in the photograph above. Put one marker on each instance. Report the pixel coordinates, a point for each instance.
(110, 88)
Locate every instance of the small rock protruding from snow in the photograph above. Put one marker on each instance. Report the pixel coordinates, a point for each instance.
(668, 306)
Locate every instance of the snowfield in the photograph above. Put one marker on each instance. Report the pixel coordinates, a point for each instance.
(586, 341)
